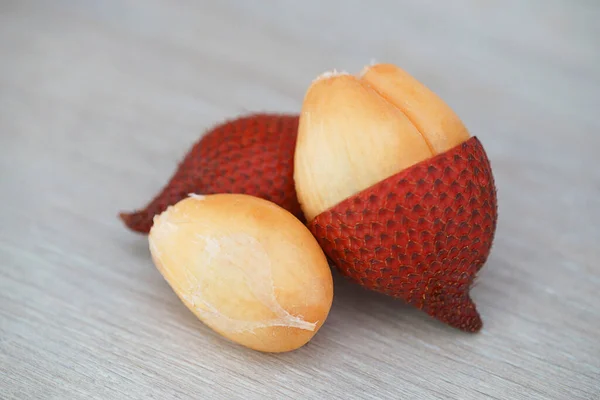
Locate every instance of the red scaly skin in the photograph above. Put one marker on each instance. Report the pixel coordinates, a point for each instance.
(251, 154)
(420, 235)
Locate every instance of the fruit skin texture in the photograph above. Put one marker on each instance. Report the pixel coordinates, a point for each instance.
(420, 235)
(245, 267)
(251, 154)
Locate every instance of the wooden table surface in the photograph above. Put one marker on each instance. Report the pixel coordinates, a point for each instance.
(100, 99)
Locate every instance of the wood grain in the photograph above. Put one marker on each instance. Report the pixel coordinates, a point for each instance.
(100, 99)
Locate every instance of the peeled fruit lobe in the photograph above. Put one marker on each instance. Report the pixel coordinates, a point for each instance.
(396, 191)
(251, 154)
(349, 138)
(441, 128)
(246, 267)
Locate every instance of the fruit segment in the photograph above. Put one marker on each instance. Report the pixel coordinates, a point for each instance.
(435, 120)
(247, 268)
(349, 138)
(252, 154)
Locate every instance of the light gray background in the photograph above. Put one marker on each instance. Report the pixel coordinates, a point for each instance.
(100, 99)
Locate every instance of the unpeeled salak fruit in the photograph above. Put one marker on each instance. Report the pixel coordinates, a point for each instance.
(251, 154)
(395, 189)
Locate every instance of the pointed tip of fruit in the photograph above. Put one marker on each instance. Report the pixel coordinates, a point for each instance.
(476, 325)
(125, 217)
(461, 314)
(134, 221)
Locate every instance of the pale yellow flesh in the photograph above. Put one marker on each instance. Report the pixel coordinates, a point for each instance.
(436, 121)
(349, 138)
(247, 268)
(356, 131)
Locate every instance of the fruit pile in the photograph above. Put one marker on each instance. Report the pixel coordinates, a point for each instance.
(376, 175)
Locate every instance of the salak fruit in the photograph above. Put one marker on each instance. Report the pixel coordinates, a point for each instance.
(246, 267)
(251, 154)
(395, 189)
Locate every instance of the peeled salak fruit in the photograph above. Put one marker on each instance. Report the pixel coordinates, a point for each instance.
(251, 154)
(246, 267)
(397, 192)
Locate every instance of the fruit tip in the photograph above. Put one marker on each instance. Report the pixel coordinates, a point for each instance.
(130, 220)
(126, 218)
